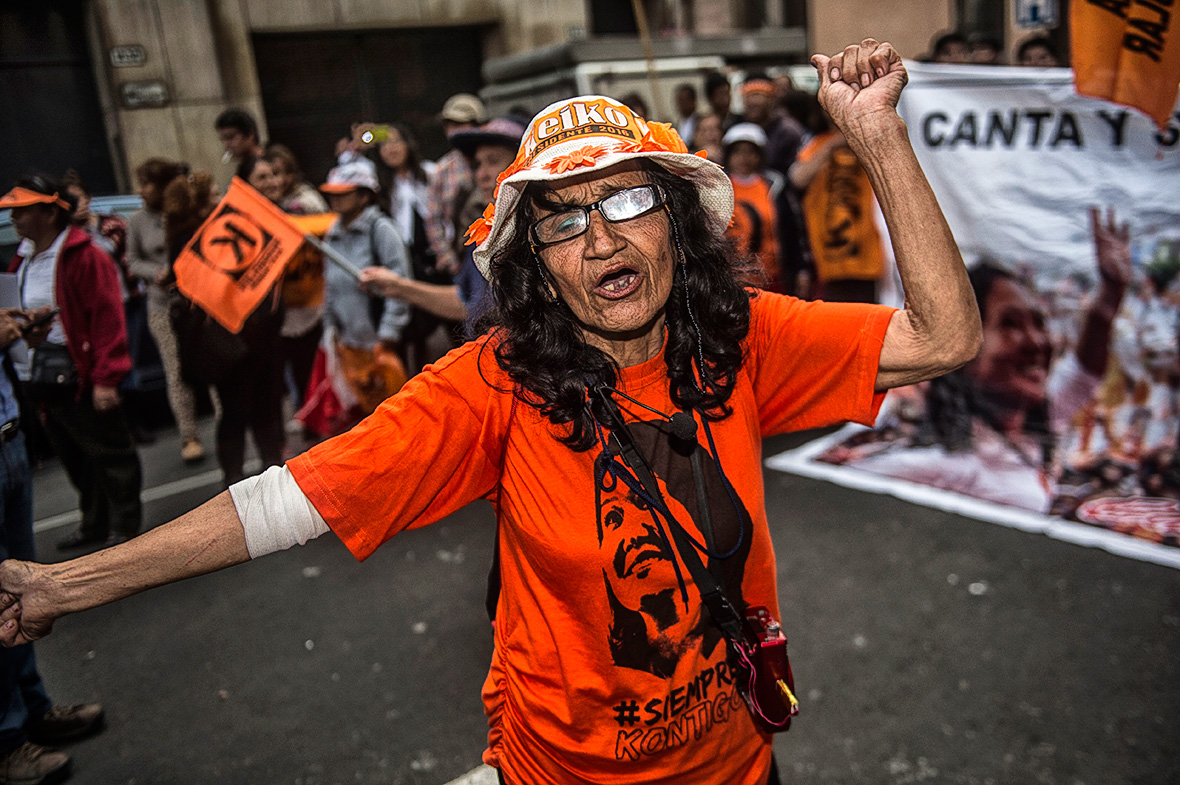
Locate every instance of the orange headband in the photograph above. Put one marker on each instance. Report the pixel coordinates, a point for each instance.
(759, 86)
(24, 197)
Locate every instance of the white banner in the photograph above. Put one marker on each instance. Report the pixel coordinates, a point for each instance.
(1069, 422)
(1015, 156)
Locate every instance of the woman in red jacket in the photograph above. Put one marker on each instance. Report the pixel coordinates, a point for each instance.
(59, 267)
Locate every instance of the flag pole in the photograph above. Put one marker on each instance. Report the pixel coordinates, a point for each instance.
(649, 57)
(333, 255)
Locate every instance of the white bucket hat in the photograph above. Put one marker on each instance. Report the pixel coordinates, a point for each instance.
(585, 134)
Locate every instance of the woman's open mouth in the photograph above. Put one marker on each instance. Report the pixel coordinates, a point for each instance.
(619, 283)
(1035, 369)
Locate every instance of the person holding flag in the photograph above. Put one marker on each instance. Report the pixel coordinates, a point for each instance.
(303, 279)
(229, 333)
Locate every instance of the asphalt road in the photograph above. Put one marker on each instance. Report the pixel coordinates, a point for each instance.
(927, 648)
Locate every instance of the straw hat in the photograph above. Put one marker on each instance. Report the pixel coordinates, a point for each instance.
(463, 108)
(588, 134)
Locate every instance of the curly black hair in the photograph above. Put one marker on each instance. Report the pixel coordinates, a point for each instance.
(544, 351)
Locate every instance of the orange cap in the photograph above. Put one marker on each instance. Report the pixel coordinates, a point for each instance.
(25, 197)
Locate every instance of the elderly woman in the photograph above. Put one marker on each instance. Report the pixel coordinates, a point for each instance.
(617, 302)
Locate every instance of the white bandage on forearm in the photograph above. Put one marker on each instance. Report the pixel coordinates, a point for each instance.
(274, 512)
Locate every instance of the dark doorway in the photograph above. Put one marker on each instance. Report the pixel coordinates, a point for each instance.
(50, 116)
(612, 17)
(315, 85)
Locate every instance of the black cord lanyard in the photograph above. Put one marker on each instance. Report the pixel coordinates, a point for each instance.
(641, 480)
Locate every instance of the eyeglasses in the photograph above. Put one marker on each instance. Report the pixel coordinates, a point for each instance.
(619, 206)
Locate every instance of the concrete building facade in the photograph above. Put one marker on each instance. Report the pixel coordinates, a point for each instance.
(163, 70)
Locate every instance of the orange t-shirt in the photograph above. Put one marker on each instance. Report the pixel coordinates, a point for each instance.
(756, 233)
(602, 672)
(838, 207)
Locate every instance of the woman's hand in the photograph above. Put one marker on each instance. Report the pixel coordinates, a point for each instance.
(105, 398)
(860, 85)
(11, 321)
(358, 136)
(381, 282)
(35, 336)
(1112, 246)
(938, 330)
(26, 602)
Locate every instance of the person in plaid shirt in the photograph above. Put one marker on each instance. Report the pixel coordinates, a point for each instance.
(452, 175)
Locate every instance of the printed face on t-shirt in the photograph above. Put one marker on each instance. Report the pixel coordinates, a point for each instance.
(627, 534)
(652, 626)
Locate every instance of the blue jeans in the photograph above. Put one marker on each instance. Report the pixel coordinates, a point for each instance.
(24, 694)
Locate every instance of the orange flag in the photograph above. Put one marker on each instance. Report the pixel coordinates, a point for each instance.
(236, 256)
(1128, 51)
(303, 280)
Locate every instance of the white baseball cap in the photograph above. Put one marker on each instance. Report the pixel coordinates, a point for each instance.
(745, 132)
(359, 173)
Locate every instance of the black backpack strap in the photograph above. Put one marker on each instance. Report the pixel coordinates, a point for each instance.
(376, 304)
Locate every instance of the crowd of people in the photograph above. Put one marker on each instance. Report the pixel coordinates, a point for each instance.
(92, 287)
(797, 188)
(803, 222)
(609, 291)
(1036, 51)
(325, 349)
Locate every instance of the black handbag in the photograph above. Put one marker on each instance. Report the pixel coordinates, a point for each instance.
(52, 369)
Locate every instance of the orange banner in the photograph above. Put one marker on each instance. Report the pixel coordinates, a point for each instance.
(1128, 51)
(237, 255)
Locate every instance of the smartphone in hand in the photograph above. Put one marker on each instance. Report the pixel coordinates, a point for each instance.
(40, 321)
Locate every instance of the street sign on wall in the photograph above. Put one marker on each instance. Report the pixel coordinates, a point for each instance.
(128, 56)
(144, 95)
(1036, 13)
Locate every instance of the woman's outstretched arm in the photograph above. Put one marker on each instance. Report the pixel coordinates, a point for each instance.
(33, 596)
